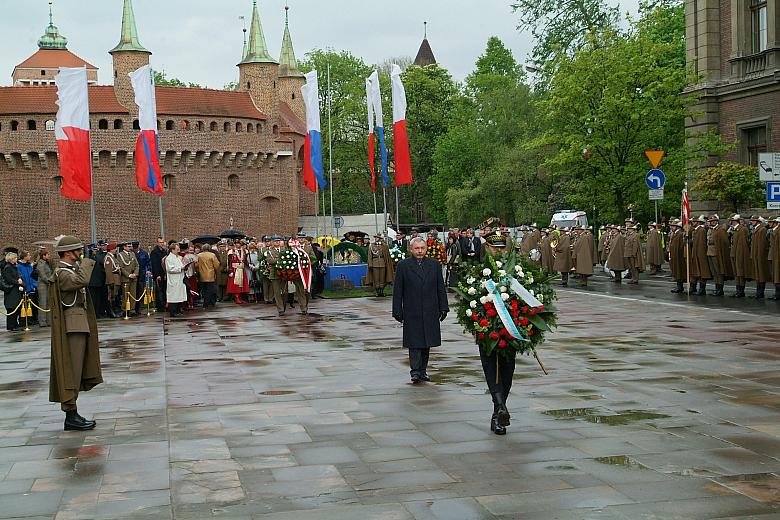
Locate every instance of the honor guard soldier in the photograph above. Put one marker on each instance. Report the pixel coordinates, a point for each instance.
(615, 246)
(718, 256)
(380, 266)
(759, 254)
(222, 278)
(113, 279)
(774, 255)
(700, 268)
(740, 254)
(97, 282)
(129, 269)
(655, 253)
(632, 252)
(676, 252)
(75, 359)
(271, 257)
(303, 294)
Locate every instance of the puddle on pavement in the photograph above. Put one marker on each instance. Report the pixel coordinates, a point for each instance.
(277, 392)
(596, 416)
(255, 362)
(620, 460)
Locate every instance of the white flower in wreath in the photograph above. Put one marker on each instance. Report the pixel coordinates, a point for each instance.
(502, 289)
(540, 298)
(483, 300)
(502, 273)
(469, 313)
(504, 296)
(530, 279)
(532, 292)
(473, 304)
(499, 265)
(486, 272)
(521, 274)
(518, 269)
(472, 291)
(470, 280)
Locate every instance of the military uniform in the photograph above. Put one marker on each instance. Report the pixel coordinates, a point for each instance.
(700, 268)
(302, 294)
(562, 263)
(380, 267)
(676, 252)
(75, 362)
(740, 254)
(759, 255)
(632, 255)
(129, 269)
(113, 279)
(97, 283)
(774, 255)
(271, 257)
(222, 276)
(655, 254)
(582, 256)
(718, 255)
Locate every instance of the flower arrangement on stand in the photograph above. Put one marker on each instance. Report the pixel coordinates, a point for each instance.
(506, 303)
(436, 251)
(287, 265)
(396, 255)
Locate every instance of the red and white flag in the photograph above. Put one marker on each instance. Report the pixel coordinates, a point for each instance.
(685, 212)
(403, 163)
(147, 155)
(72, 133)
(370, 134)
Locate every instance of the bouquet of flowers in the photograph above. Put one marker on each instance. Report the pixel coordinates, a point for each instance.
(264, 268)
(287, 265)
(436, 251)
(397, 255)
(506, 303)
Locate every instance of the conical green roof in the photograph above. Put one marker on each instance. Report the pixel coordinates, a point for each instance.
(129, 38)
(257, 51)
(288, 65)
(52, 39)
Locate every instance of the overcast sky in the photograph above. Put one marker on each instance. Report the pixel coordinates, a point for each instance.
(200, 41)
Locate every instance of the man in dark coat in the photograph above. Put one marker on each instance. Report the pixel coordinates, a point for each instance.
(470, 247)
(420, 303)
(75, 358)
(144, 261)
(156, 260)
(97, 282)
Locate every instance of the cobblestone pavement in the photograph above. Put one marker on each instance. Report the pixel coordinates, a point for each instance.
(659, 411)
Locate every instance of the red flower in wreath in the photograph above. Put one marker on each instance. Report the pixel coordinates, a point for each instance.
(494, 335)
(492, 313)
(502, 343)
(481, 335)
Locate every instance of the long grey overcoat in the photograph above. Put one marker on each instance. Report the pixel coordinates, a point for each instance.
(419, 296)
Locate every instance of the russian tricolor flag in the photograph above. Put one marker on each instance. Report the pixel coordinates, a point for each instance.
(147, 154)
(312, 147)
(370, 134)
(376, 100)
(403, 163)
(72, 133)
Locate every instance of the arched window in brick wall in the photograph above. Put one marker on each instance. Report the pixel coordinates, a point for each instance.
(31, 125)
(117, 124)
(232, 182)
(169, 181)
(184, 125)
(226, 127)
(201, 126)
(103, 124)
(14, 126)
(57, 180)
(136, 126)
(50, 125)
(276, 129)
(239, 127)
(293, 95)
(213, 126)
(250, 128)
(169, 125)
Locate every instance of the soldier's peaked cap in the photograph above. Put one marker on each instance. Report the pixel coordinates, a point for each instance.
(67, 243)
(755, 217)
(702, 218)
(714, 217)
(736, 216)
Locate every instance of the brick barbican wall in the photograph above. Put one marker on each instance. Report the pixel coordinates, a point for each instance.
(749, 108)
(289, 91)
(259, 79)
(212, 176)
(35, 74)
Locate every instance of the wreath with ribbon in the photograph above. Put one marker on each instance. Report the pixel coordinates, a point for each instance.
(506, 303)
(436, 251)
(396, 255)
(292, 265)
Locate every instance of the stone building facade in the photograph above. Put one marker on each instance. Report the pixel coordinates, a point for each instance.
(226, 156)
(734, 45)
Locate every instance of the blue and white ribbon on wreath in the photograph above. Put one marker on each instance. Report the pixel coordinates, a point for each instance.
(502, 311)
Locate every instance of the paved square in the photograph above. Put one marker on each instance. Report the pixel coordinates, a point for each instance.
(651, 410)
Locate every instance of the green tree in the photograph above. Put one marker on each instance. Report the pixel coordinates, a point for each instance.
(161, 78)
(734, 183)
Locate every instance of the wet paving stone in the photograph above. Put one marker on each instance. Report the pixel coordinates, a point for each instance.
(235, 414)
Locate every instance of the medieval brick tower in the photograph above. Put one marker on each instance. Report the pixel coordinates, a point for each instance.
(226, 156)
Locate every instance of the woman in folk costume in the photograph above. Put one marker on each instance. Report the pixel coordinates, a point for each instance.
(238, 282)
(176, 291)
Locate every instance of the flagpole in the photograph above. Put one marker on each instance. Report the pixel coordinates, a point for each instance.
(162, 221)
(397, 214)
(93, 221)
(384, 199)
(330, 160)
(376, 217)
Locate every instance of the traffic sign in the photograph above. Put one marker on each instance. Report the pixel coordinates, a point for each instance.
(655, 156)
(338, 222)
(655, 179)
(769, 167)
(657, 194)
(773, 195)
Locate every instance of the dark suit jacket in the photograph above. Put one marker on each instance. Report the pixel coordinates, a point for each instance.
(465, 249)
(419, 296)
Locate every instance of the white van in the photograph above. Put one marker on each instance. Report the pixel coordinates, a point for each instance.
(569, 218)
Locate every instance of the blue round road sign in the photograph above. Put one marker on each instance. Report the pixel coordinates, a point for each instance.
(655, 179)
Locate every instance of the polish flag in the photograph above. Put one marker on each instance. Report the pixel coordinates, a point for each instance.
(72, 133)
(370, 104)
(403, 163)
(376, 100)
(685, 213)
(147, 154)
(312, 147)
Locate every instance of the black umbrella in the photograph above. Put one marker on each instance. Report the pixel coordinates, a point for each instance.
(232, 233)
(205, 239)
(356, 234)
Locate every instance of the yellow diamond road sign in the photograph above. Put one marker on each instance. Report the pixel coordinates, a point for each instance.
(655, 157)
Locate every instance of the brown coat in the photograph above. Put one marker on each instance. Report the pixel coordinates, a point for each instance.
(615, 260)
(632, 252)
(207, 266)
(583, 254)
(222, 274)
(546, 259)
(677, 262)
(759, 251)
(720, 237)
(562, 263)
(776, 254)
(111, 267)
(655, 255)
(381, 264)
(530, 241)
(72, 311)
(740, 253)
(700, 267)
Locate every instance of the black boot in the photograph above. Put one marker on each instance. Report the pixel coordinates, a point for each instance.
(74, 422)
(777, 293)
(86, 421)
(718, 289)
(702, 288)
(760, 287)
(679, 288)
(500, 409)
(692, 290)
(740, 292)
(382, 292)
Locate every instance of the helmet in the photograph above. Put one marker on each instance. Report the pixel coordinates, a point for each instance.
(67, 243)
